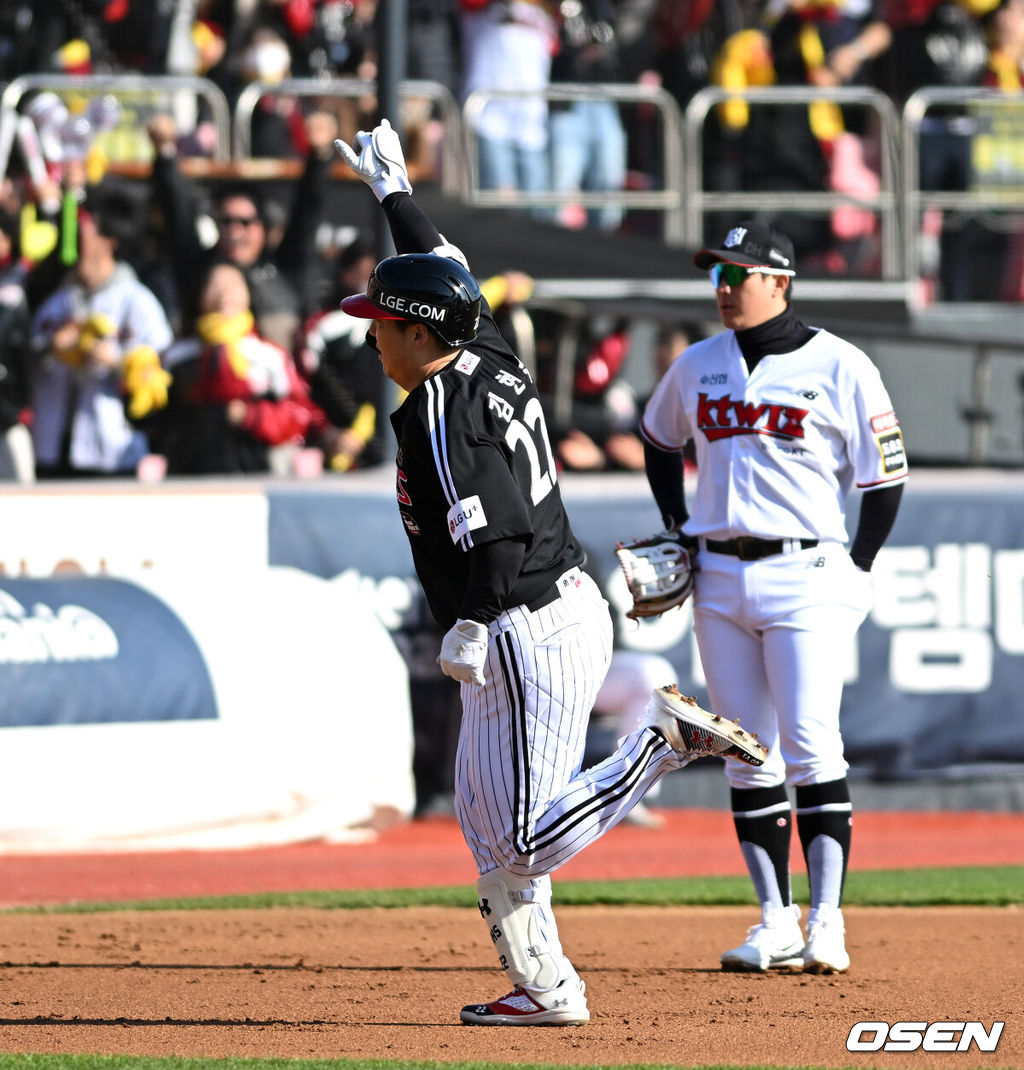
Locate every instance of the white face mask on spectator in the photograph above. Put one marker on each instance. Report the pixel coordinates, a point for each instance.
(266, 61)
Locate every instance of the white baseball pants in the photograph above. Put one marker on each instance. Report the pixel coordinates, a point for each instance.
(772, 636)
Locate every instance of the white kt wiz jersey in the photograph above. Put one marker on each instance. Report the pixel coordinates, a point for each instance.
(779, 450)
(475, 465)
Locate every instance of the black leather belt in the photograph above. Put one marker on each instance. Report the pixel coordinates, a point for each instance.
(750, 548)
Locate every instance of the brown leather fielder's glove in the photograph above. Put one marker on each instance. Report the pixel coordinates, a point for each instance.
(659, 573)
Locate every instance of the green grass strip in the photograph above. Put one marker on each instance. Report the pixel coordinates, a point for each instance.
(944, 886)
(134, 1062)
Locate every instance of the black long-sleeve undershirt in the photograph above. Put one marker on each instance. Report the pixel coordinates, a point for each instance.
(665, 477)
(878, 509)
(493, 571)
(411, 229)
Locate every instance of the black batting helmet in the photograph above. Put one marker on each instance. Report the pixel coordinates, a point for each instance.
(426, 288)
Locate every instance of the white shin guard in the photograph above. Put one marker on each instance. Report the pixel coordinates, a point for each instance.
(517, 911)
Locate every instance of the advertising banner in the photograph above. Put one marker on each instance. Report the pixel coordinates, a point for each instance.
(80, 650)
(193, 709)
(929, 679)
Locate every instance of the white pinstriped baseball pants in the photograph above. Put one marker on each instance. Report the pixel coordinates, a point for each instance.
(521, 798)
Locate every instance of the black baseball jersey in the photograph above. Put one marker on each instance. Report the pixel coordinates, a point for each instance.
(475, 465)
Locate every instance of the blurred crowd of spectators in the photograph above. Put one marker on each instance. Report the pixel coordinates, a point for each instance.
(159, 328)
(194, 330)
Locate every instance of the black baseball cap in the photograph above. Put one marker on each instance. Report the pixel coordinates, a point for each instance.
(752, 244)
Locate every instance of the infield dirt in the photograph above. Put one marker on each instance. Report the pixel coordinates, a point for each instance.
(389, 983)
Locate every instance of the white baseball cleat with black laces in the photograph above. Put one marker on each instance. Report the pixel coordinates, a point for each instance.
(694, 733)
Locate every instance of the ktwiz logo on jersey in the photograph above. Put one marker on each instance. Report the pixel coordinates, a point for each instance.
(465, 516)
(723, 418)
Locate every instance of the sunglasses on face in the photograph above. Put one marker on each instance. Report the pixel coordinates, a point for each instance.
(734, 275)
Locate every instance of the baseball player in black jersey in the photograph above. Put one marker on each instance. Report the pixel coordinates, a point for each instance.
(527, 633)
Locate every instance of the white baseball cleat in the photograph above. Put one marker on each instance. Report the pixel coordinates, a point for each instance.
(775, 944)
(825, 950)
(564, 1005)
(694, 733)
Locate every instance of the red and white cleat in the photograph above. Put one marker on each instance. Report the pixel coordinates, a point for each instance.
(694, 733)
(564, 1005)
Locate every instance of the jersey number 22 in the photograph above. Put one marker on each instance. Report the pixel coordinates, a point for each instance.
(532, 435)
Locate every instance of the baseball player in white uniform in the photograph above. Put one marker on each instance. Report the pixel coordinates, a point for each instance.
(786, 421)
(527, 633)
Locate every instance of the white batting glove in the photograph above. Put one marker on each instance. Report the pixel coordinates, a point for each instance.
(378, 160)
(464, 651)
(453, 252)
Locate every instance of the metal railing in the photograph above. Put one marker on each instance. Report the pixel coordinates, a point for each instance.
(155, 91)
(683, 202)
(452, 178)
(977, 200)
(886, 203)
(668, 201)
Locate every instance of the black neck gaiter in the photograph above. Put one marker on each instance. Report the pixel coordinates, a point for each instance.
(781, 334)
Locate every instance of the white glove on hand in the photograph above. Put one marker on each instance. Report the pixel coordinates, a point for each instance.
(379, 161)
(464, 651)
(453, 252)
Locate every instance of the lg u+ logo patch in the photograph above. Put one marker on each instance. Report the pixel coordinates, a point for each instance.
(936, 1036)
